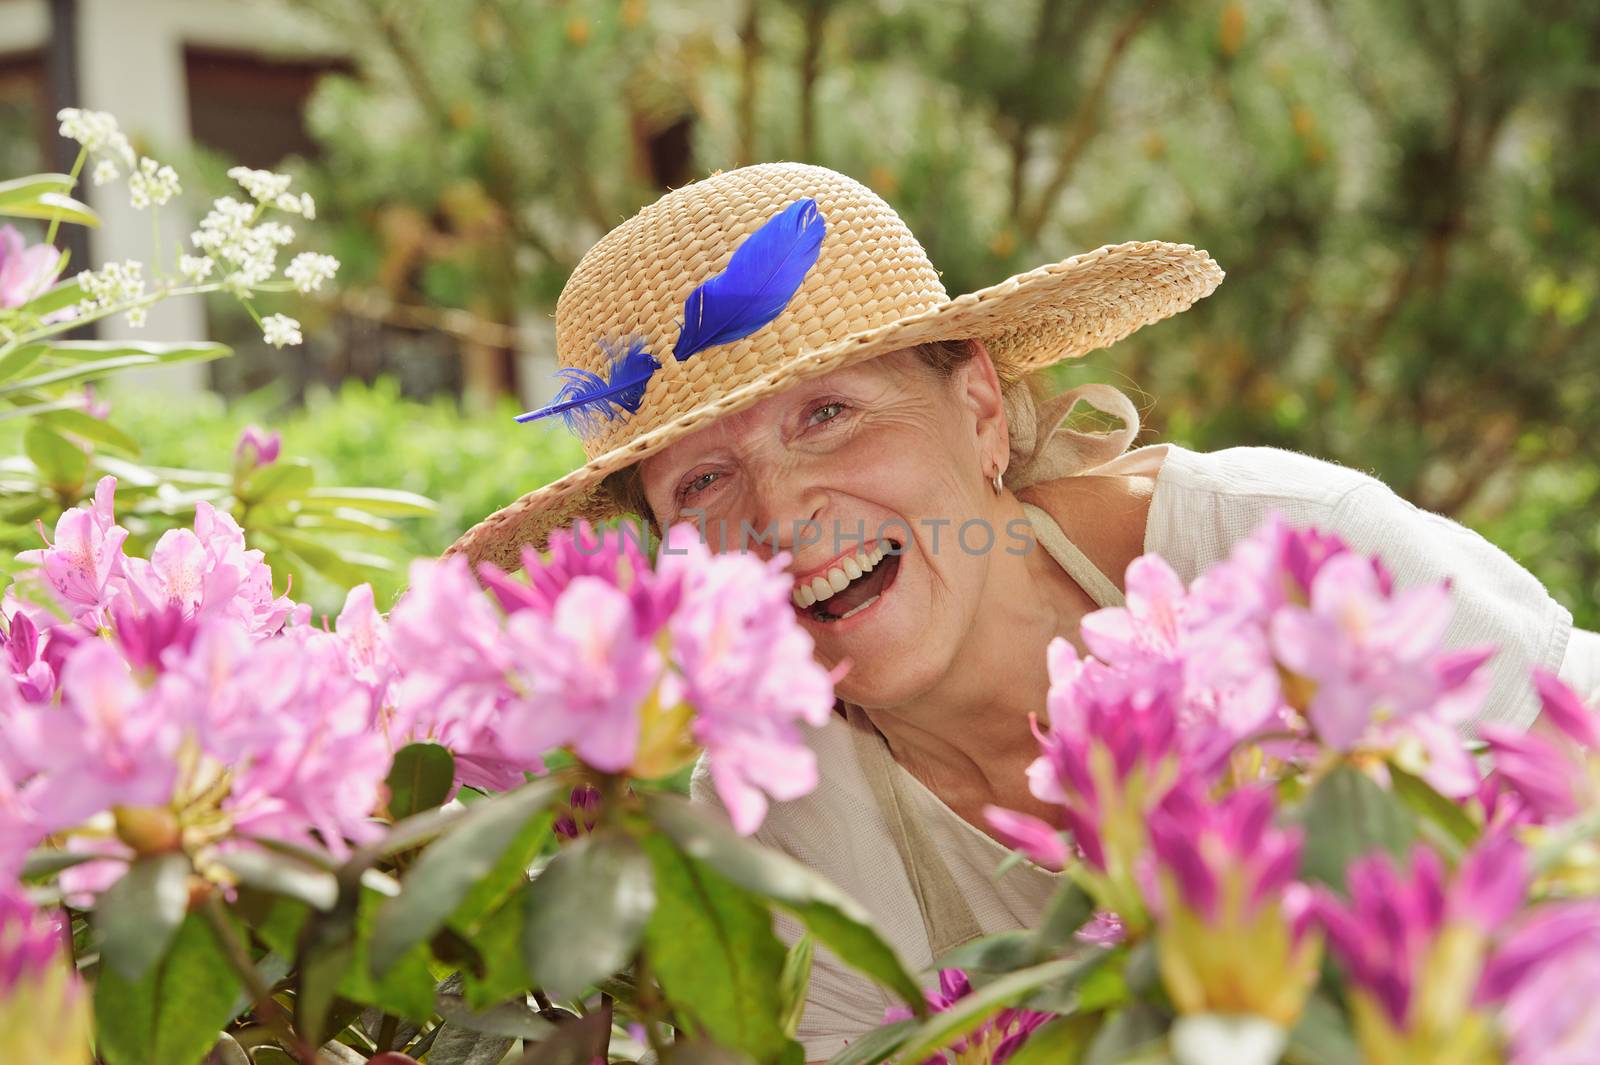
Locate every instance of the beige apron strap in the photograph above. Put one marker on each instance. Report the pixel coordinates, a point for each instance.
(946, 916)
(1101, 588)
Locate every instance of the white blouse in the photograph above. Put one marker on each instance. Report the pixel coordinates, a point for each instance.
(1203, 503)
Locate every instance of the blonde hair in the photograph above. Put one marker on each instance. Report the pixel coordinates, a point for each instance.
(1042, 447)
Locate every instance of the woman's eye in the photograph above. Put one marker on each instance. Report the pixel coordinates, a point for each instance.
(824, 413)
(697, 484)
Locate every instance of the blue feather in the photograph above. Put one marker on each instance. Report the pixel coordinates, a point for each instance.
(762, 276)
(587, 396)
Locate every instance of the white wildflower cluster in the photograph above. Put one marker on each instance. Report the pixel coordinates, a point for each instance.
(152, 183)
(308, 270)
(231, 233)
(112, 284)
(280, 330)
(99, 134)
(195, 268)
(273, 189)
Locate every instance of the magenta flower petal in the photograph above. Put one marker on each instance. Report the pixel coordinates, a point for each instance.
(1033, 837)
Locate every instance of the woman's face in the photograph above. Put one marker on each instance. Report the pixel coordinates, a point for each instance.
(865, 475)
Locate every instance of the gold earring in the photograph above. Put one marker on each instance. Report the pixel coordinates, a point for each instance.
(998, 486)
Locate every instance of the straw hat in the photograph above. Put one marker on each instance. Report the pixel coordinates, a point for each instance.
(649, 324)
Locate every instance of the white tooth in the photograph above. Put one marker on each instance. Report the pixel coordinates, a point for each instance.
(837, 579)
(864, 560)
(821, 589)
(803, 598)
(878, 553)
(851, 570)
(859, 609)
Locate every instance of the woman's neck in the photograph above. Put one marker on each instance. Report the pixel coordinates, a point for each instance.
(967, 737)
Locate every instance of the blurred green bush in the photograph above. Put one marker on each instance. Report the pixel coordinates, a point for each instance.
(470, 462)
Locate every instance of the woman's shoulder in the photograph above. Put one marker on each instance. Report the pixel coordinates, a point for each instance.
(1260, 471)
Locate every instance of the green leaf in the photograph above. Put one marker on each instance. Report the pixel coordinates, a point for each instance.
(1002, 952)
(44, 196)
(372, 500)
(164, 352)
(139, 914)
(447, 869)
(30, 187)
(1061, 1040)
(86, 425)
(967, 1013)
(875, 1045)
(64, 293)
(1069, 909)
(420, 778)
(1134, 1034)
(794, 982)
(499, 942)
(46, 862)
(33, 410)
(1348, 816)
(1323, 1036)
(175, 1013)
(63, 463)
(20, 358)
(344, 566)
(507, 877)
(280, 874)
(1451, 826)
(515, 1019)
(78, 373)
(586, 912)
(406, 990)
(713, 951)
(52, 205)
(277, 481)
(838, 921)
(455, 1045)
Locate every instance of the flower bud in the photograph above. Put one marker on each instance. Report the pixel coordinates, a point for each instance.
(44, 1015)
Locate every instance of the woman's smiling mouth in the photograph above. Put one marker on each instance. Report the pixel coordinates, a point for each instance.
(850, 585)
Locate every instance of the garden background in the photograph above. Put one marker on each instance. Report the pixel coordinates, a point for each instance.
(1402, 194)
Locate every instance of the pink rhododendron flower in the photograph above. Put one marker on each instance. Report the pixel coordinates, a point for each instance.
(1413, 943)
(1226, 678)
(446, 627)
(1545, 978)
(585, 672)
(580, 814)
(144, 636)
(86, 553)
(22, 656)
(257, 447)
(1552, 771)
(362, 636)
(208, 570)
(44, 1012)
(1232, 919)
(1112, 754)
(25, 272)
(1381, 678)
(110, 742)
(611, 555)
(995, 1040)
(747, 670)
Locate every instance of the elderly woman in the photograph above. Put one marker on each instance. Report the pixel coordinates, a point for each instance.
(769, 353)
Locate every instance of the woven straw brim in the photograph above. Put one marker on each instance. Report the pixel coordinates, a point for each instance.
(1031, 320)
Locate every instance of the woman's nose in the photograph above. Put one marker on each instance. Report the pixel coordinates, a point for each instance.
(789, 511)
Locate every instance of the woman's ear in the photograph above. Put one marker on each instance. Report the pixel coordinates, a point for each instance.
(979, 390)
